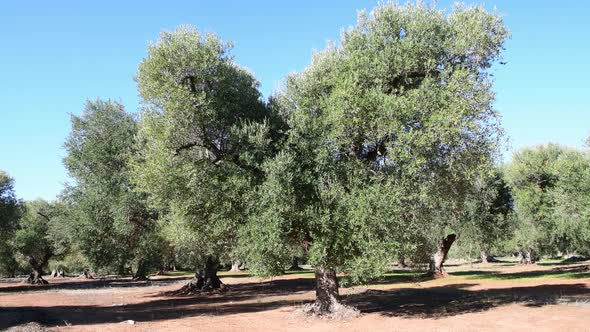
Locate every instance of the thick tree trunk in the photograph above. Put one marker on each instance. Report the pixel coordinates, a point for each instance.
(36, 276)
(436, 268)
(86, 274)
(209, 276)
(401, 262)
(235, 266)
(527, 257)
(484, 257)
(141, 273)
(205, 279)
(295, 264)
(326, 291)
(57, 273)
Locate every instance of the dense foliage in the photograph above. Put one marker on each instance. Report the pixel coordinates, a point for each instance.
(204, 133)
(10, 211)
(386, 132)
(112, 224)
(383, 149)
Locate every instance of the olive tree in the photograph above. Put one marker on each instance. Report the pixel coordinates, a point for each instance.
(204, 132)
(385, 133)
(10, 212)
(571, 203)
(33, 238)
(532, 175)
(113, 226)
(489, 220)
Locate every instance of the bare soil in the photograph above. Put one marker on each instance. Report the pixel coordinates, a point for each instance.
(524, 298)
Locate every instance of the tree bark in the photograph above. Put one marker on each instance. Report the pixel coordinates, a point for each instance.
(86, 274)
(209, 277)
(326, 290)
(484, 257)
(36, 276)
(57, 273)
(401, 262)
(295, 264)
(437, 260)
(527, 257)
(141, 273)
(205, 279)
(235, 266)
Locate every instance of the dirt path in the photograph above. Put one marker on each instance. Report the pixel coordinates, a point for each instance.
(458, 303)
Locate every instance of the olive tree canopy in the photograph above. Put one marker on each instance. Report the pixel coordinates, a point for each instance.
(387, 129)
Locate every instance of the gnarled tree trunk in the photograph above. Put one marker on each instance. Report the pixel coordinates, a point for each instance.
(295, 264)
(205, 279)
(57, 274)
(36, 276)
(141, 272)
(326, 291)
(235, 266)
(208, 275)
(484, 257)
(527, 257)
(436, 268)
(86, 274)
(401, 262)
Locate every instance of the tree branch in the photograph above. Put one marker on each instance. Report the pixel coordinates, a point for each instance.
(43, 215)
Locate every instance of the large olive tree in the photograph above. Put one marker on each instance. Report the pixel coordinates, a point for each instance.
(387, 130)
(203, 135)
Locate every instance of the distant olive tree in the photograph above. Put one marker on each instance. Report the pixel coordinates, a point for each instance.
(10, 213)
(113, 226)
(33, 238)
(532, 175)
(571, 201)
(488, 220)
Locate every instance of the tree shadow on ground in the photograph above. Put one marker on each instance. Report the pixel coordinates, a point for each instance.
(432, 302)
(567, 261)
(239, 298)
(450, 300)
(471, 273)
(398, 277)
(91, 284)
(571, 272)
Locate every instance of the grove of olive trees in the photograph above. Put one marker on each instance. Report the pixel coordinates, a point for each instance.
(385, 148)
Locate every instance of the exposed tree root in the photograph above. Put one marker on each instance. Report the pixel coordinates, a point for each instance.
(336, 311)
(197, 286)
(35, 280)
(87, 275)
(295, 265)
(140, 278)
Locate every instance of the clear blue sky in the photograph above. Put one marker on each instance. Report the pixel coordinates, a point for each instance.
(56, 54)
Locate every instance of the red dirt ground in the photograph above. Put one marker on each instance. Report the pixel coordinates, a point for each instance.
(457, 303)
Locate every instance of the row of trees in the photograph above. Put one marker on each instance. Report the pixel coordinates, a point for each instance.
(383, 149)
